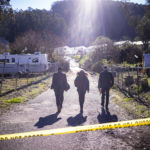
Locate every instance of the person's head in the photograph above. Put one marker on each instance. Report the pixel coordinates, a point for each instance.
(82, 73)
(105, 68)
(59, 69)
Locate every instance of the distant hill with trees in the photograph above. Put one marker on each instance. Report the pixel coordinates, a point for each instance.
(110, 21)
(43, 30)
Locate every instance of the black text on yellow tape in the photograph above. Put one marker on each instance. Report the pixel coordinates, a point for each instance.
(121, 124)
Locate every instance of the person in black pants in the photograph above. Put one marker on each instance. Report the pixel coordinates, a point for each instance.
(106, 81)
(82, 84)
(59, 83)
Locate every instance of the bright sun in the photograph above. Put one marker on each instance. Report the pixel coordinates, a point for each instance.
(83, 19)
(87, 4)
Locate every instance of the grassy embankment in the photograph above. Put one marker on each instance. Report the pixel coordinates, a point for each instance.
(25, 94)
(132, 105)
(134, 108)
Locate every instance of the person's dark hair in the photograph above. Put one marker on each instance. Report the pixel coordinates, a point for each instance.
(82, 73)
(59, 69)
(105, 67)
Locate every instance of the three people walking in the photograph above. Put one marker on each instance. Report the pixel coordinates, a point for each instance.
(82, 84)
(60, 84)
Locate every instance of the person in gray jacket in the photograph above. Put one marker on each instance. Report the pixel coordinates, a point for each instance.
(106, 81)
(82, 84)
(59, 85)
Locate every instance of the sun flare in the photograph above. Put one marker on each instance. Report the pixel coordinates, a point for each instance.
(87, 5)
(83, 20)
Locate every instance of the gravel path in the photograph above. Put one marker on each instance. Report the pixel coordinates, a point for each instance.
(40, 114)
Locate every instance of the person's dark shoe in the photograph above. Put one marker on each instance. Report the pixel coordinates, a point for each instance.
(57, 113)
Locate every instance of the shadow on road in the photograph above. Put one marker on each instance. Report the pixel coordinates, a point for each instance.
(105, 116)
(77, 120)
(48, 120)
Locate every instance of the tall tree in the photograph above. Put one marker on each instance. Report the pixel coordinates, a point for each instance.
(4, 2)
(143, 29)
(32, 41)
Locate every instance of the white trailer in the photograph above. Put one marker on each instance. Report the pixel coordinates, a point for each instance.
(33, 63)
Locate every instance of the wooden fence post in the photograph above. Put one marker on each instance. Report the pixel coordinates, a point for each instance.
(2, 79)
(122, 77)
(17, 75)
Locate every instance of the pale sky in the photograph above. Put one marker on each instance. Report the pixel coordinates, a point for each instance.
(24, 4)
(45, 4)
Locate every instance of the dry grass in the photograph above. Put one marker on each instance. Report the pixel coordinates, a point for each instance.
(133, 108)
(13, 83)
(25, 94)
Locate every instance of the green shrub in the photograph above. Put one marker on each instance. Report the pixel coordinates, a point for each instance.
(83, 60)
(77, 57)
(130, 53)
(15, 100)
(97, 67)
(128, 99)
(140, 89)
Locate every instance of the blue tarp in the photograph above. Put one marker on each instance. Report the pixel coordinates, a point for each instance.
(146, 60)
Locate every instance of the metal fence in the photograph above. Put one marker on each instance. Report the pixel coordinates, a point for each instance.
(134, 82)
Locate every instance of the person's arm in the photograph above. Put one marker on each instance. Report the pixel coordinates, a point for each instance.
(53, 82)
(112, 80)
(66, 85)
(88, 85)
(65, 78)
(99, 84)
(76, 82)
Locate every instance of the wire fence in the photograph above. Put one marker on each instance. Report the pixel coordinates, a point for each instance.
(134, 82)
(13, 77)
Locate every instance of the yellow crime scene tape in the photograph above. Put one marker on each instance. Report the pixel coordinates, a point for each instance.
(121, 124)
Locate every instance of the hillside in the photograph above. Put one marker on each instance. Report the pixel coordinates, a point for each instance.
(109, 19)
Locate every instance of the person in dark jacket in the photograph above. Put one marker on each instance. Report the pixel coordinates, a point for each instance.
(59, 83)
(82, 84)
(106, 81)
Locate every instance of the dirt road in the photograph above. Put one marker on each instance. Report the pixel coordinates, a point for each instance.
(40, 114)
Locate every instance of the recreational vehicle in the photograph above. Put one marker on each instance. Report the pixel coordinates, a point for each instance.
(33, 63)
